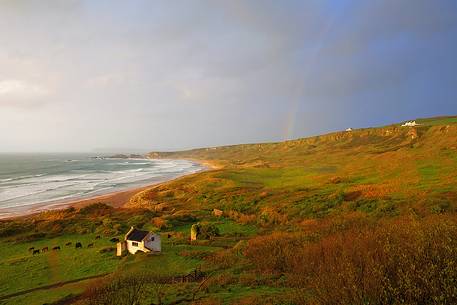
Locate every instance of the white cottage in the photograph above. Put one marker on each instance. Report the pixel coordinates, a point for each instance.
(138, 240)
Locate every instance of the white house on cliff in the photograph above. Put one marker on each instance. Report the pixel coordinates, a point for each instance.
(138, 240)
(410, 124)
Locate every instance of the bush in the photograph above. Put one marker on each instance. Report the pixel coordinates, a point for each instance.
(160, 223)
(242, 218)
(138, 221)
(182, 219)
(96, 209)
(223, 259)
(395, 262)
(30, 237)
(10, 228)
(440, 207)
(274, 253)
(271, 217)
(205, 230)
(218, 282)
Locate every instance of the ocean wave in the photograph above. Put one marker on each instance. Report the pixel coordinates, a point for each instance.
(24, 204)
(89, 178)
(21, 195)
(99, 190)
(21, 177)
(136, 170)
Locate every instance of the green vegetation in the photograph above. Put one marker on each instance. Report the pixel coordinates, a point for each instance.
(52, 266)
(361, 217)
(438, 121)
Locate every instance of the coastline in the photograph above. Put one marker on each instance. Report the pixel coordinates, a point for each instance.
(116, 199)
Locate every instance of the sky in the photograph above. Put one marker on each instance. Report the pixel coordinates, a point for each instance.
(133, 76)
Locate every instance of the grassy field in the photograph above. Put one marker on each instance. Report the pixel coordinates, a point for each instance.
(53, 266)
(68, 269)
(285, 206)
(49, 296)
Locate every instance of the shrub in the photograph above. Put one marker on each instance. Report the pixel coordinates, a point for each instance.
(110, 227)
(223, 259)
(205, 230)
(241, 218)
(270, 216)
(403, 261)
(182, 219)
(138, 221)
(10, 228)
(218, 281)
(440, 206)
(274, 253)
(30, 237)
(160, 223)
(96, 209)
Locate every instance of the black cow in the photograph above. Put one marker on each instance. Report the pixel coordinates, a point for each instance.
(31, 249)
(68, 243)
(78, 245)
(90, 245)
(36, 251)
(45, 249)
(56, 248)
(97, 237)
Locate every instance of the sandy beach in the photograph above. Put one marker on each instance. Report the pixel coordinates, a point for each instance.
(118, 199)
(115, 199)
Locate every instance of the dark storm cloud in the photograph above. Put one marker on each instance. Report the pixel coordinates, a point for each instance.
(166, 75)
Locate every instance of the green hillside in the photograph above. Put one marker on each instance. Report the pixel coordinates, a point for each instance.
(370, 170)
(360, 217)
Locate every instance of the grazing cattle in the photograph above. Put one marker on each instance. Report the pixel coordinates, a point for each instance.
(45, 249)
(36, 251)
(78, 245)
(90, 245)
(68, 243)
(114, 240)
(31, 249)
(169, 235)
(97, 237)
(56, 248)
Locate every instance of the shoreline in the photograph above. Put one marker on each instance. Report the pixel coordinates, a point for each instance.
(116, 199)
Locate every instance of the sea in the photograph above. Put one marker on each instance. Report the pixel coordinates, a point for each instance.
(29, 181)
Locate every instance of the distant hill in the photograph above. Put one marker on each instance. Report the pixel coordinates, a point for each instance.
(391, 137)
(390, 167)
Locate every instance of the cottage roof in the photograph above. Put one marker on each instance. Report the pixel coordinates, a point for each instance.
(136, 235)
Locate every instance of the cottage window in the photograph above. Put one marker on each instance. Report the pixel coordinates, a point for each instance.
(135, 244)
